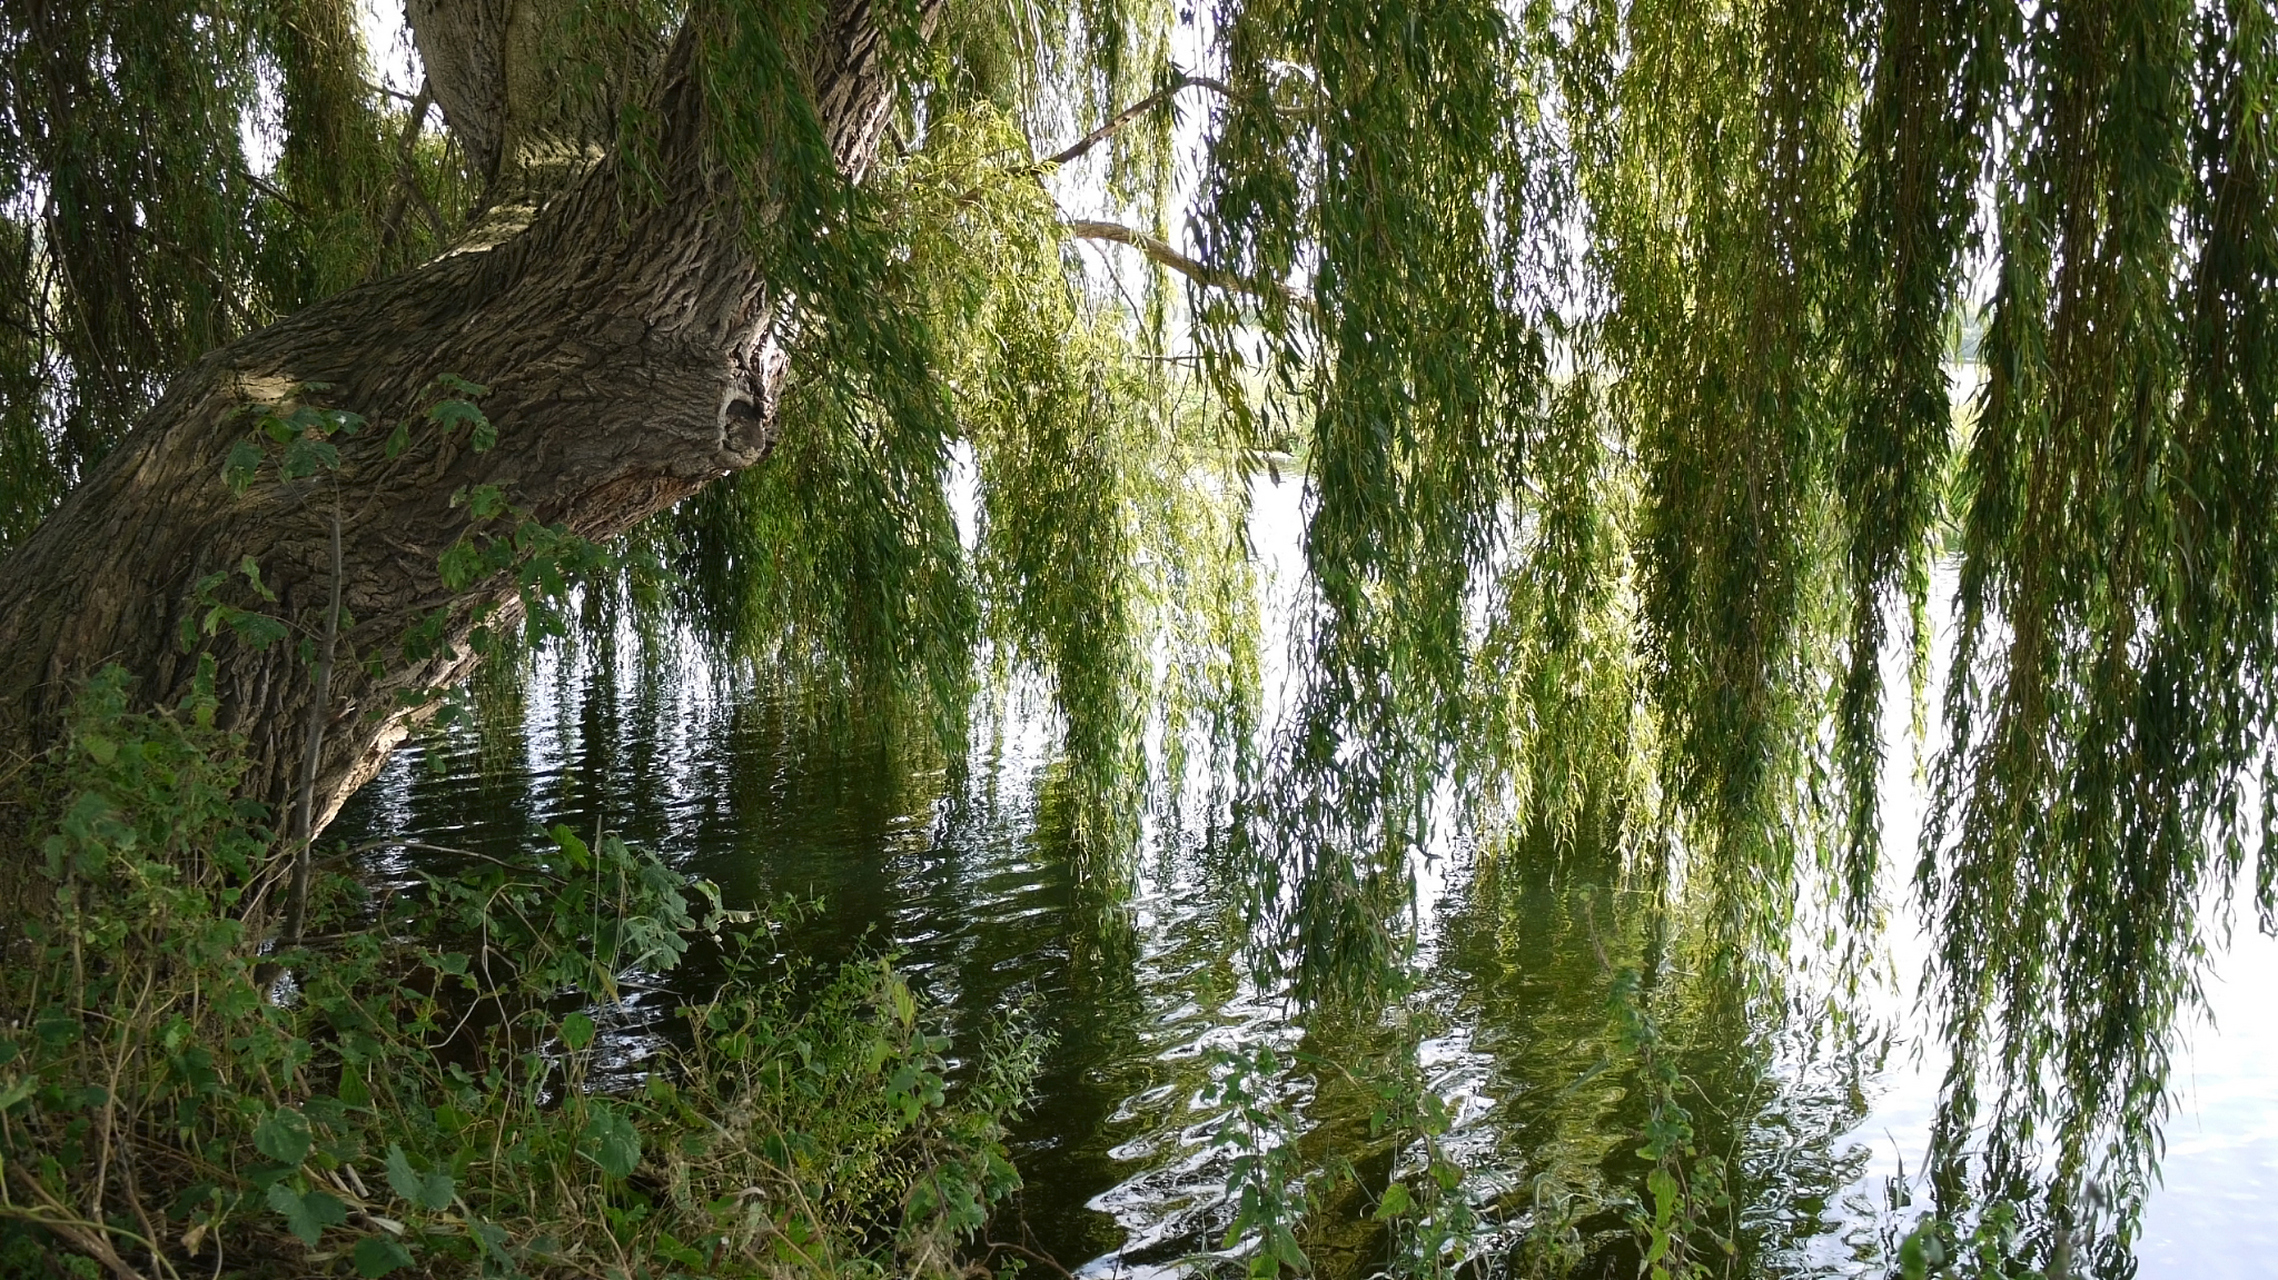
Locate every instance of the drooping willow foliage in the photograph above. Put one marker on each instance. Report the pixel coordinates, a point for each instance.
(1617, 342)
(2116, 595)
(173, 176)
(1106, 552)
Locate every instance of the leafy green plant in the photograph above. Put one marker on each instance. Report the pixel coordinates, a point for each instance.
(1435, 1227)
(1280, 1196)
(1267, 1180)
(1688, 1204)
(414, 1085)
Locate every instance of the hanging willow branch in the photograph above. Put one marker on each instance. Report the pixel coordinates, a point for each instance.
(1107, 129)
(1160, 252)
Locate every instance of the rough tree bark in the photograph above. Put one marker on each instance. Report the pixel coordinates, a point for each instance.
(633, 354)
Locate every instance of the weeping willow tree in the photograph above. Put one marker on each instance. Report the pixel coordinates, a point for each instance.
(1616, 342)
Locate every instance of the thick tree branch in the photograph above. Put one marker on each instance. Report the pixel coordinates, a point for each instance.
(633, 350)
(462, 45)
(408, 188)
(1161, 252)
(1156, 249)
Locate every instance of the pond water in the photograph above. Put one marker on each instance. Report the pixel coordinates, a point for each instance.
(962, 874)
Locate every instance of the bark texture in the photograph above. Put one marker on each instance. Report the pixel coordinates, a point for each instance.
(632, 351)
(462, 45)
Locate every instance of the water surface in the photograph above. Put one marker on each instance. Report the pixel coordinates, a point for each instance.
(964, 874)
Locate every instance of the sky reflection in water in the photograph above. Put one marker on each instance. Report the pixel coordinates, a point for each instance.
(972, 893)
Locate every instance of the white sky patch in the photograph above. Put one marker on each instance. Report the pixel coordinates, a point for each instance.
(387, 42)
(261, 131)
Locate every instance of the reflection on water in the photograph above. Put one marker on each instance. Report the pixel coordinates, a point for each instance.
(960, 873)
(1819, 1107)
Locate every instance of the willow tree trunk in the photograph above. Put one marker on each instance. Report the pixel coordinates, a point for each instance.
(632, 353)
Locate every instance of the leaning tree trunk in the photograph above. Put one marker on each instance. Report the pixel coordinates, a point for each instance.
(632, 353)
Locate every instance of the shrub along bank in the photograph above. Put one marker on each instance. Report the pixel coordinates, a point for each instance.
(423, 1083)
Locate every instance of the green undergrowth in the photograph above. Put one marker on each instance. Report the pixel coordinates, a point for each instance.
(442, 1080)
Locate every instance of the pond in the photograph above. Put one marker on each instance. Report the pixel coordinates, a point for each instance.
(1822, 1107)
